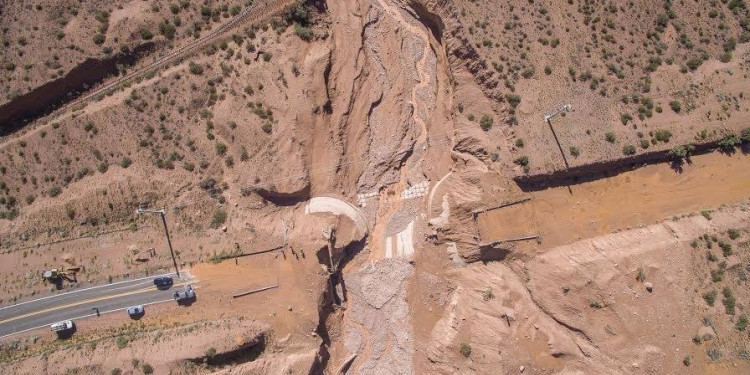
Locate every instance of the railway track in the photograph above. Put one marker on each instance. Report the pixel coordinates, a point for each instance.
(256, 12)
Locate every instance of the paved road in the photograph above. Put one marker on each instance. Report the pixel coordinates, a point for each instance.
(78, 304)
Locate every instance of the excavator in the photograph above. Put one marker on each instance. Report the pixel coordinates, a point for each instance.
(56, 276)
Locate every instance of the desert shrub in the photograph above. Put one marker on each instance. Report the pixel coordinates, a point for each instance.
(680, 153)
(575, 151)
(675, 105)
(741, 324)
(644, 144)
(267, 127)
(220, 217)
(717, 275)
(125, 162)
(663, 135)
(714, 354)
(628, 149)
(745, 135)
(488, 294)
(210, 352)
(98, 38)
(519, 143)
(54, 191)
(465, 349)
(167, 29)
(486, 122)
(729, 141)
(694, 63)
(729, 301)
(513, 99)
(641, 275)
(146, 368)
(610, 137)
(30, 199)
(625, 118)
(103, 167)
(146, 34)
(189, 167)
(121, 342)
(725, 57)
(726, 248)
(547, 70)
(686, 360)
(195, 68)
(304, 33)
(115, 371)
(733, 234)
(596, 304)
(710, 297)
(220, 148)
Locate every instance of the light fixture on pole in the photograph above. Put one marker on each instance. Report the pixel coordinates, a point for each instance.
(141, 211)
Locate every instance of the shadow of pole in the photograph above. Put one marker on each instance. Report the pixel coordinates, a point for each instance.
(559, 147)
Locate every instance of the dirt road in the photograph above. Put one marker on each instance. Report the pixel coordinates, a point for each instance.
(640, 197)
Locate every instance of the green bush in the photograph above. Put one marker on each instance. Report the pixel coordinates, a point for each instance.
(121, 342)
(663, 135)
(54, 191)
(745, 135)
(125, 162)
(167, 29)
(99, 38)
(741, 324)
(146, 368)
(729, 301)
(195, 68)
(221, 148)
(710, 297)
(304, 33)
(575, 151)
(675, 105)
(220, 217)
(486, 122)
(519, 143)
(628, 150)
(513, 99)
(146, 34)
(465, 349)
(610, 137)
(729, 141)
(625, 118)
(115, 371)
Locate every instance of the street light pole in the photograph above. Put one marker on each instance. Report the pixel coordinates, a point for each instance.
(141, 211)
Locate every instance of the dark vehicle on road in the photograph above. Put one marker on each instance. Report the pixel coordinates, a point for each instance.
(186, 296)
(164, 282)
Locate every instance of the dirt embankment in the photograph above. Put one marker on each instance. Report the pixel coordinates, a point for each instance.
(46, 98)
(608, 168)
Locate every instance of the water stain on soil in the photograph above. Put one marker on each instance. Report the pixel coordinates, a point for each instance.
(639, 197)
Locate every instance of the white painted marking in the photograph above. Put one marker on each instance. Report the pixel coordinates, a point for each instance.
(85, 316)
(83, 290)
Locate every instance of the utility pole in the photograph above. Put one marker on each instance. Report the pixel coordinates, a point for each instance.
(141, 211)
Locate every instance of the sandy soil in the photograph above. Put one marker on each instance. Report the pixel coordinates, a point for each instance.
(630, 199)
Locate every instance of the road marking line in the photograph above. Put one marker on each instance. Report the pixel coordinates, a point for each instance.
(83, 290)
(144, 290)
(84, 317)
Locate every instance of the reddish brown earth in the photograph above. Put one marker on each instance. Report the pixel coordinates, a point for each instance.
(365, 118)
